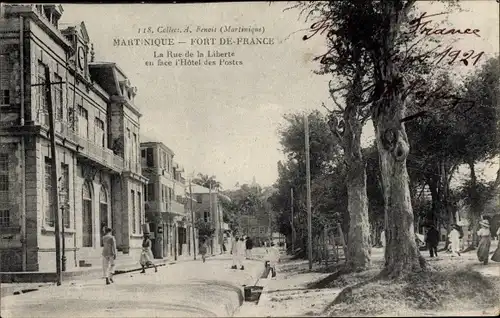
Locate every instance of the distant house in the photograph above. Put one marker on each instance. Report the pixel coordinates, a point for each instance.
(208, 208)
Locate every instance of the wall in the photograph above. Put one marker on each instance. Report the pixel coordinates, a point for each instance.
(200, 208)
(11, 237)
(46, 241)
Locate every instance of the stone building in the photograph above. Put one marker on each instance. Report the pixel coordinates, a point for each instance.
(208, 209)
(97, 146)
(166, 212)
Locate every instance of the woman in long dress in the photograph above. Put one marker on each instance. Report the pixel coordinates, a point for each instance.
(454, 237)
(146, 254)
(496, 255)
(234, 251)
(483, 250)
(241, 252)
(382, 239)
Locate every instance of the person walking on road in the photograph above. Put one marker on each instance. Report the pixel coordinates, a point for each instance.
(234, 251)
(432, 240)
(496, 255)
(241, 252)
(108, 255)
(484, 234)
(382, 239)
(146, 254)
(203, 250)
(248, 247)
(273, 257)
(454, 238)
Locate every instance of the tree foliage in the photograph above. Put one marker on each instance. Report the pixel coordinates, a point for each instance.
(205, 229)
(207, 181)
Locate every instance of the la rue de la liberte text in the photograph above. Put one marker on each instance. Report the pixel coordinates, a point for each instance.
(195, 45)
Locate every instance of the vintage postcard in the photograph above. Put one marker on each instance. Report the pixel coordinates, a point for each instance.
(250, 159)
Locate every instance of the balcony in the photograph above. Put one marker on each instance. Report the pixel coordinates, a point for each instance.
(177, 208)
(91, 151)
(101, 155)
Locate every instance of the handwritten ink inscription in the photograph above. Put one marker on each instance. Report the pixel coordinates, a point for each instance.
(421, 26)
(418, 26)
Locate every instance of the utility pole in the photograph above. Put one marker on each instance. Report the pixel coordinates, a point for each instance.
(53, 179)
(63, 258)
(220, 237)
(292, 221)
(210, 213)
(192, 218)
(270, 225)
(308, 184)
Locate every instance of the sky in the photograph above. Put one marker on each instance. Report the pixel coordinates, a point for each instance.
(223, 120)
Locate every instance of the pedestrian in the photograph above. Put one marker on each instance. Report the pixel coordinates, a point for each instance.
(454, 238)
(224, 242)
(273, 257)
(248, 247)
(484, 234)
(203, 250)
(234, 251)
(432, 240)
(241, 252)
(146, 254)
(108, 255)
(496, 254)
(382, 239)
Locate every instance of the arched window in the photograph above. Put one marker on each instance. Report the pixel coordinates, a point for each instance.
(87, 226)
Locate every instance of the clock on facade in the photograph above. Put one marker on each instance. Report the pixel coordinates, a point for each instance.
(81, 58)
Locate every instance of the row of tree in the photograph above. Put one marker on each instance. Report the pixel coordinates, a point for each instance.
(384, 74)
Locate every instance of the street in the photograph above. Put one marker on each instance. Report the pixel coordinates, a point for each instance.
(189, 289)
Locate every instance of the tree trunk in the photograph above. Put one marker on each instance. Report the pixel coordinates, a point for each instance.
(359, 232)
(401, 254)
(358, 241)
(474, 209)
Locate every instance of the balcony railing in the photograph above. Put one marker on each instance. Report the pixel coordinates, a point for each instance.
(177, 208)
(100, 154)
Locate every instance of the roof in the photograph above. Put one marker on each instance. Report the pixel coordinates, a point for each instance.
(198, 189)
(151, 142)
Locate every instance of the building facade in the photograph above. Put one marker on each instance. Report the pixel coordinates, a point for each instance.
(208, 209)
(97, 147)
(166, 201)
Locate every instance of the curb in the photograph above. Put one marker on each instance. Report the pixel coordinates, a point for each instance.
(84, 276)
(15, 291)
(257, 273)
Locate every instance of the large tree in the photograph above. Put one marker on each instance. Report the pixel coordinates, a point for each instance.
(372, 32)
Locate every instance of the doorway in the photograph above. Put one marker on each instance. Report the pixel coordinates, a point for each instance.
(87, 226)
(181, 238)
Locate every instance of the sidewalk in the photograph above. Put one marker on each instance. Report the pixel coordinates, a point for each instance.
(7, 289)
(192, 289)
(288, 294)
(293, 293)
